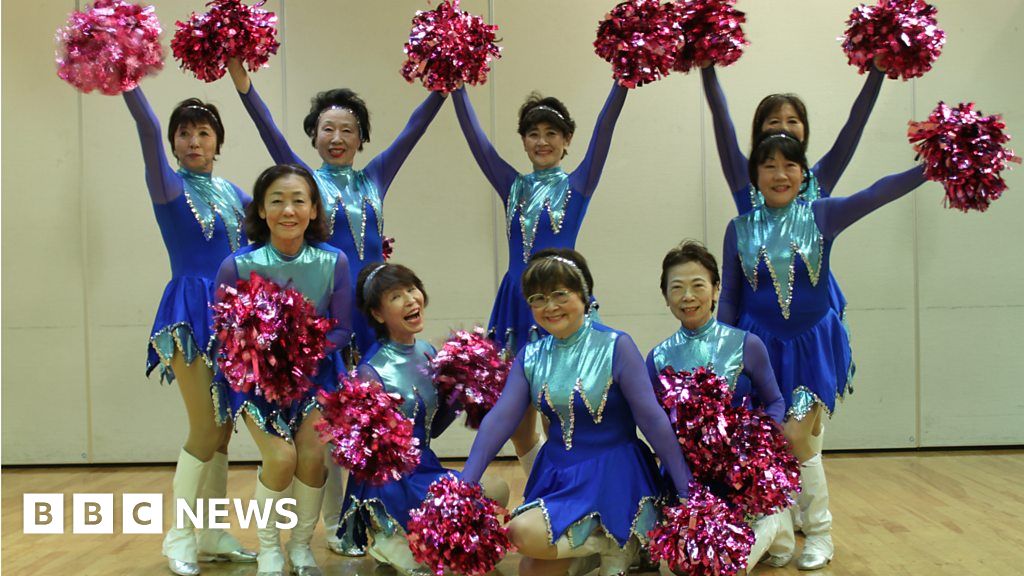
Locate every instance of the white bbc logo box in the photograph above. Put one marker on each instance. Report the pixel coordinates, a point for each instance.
(93, 513)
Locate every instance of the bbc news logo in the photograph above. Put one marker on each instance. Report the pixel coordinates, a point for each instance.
(144, 513)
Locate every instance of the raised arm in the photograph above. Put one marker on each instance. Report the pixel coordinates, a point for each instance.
(732, 276)
(500, 422)
(734, 162)
(272, 137)
(758, 368)
(836, 214)
(629, 371)
(341, 304)
(385, 166)
(588, 173)
(832, 165)
(499, 173)
(163, 183)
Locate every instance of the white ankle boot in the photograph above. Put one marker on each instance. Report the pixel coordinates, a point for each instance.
(394, 551)
(818, 548)
(308, 502)
(270, 560)
(180, 543)
(216, 544)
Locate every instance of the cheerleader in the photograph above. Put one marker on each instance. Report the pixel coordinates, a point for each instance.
(285, 220)
(543, 209)
(775, 257)
(200, 220)
(593, 490)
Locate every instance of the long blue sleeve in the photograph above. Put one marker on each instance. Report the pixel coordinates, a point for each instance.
(834, 215)
(732, 276)
(383, 168)
(734, 162)
(499, 173)
(587, 175)
(163, 182)
(758, 367)
(832, 165)
(341, 304)
(272, 137)
(500, 422)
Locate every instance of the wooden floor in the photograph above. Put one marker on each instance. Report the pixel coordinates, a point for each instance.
(956, 514)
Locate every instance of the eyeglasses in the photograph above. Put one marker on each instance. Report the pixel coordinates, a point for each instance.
(538, 301)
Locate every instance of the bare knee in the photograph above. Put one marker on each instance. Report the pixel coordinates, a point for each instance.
(279, 464)
(530, 538)
(496, 489)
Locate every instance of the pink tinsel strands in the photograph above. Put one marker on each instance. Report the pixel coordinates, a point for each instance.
(639, 40)
(703, 537)
(270, 338)
(109, 47)
(372, 437)
(204, 44)
(902, 36)
(696, 403)
(449, 47)
(712, 33)
(762, 473)
(459, 529)
(470, 373)
(964, 151)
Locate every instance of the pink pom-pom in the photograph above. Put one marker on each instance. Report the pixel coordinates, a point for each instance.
(387, 247)
(696, 403)
(372, 437)
(900, 36)
(271, 339)
(703, 537)
(470, 373)
(712, 32)
(230, 29)
(459, 529)
(762, 473)
(964, 151)
(449, 47)
(109, 47)
(639, 39)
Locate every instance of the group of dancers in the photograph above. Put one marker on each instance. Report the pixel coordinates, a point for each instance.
(771, 321)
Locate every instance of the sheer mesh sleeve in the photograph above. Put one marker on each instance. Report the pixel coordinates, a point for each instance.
(341, 304)
(832, 165)
(588, 173)
(385, 166)
(272, 137)
(734, 163)
(499, 173)
(163, 182)
(758, 367)
(836, 214)
(732, 276)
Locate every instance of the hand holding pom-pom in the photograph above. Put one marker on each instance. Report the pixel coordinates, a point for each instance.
(372, 438)
(449, 47)
(458, 528)
(470, 373)
(703, 537)
(901, 37)
(965, 152)
(640, 41)
(712, 33)
(762, 473)
(109, 47)
(271, 339)
(696, 403)
(206, 42)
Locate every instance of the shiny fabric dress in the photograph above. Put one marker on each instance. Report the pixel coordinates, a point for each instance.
(200, 219)
(320, 272)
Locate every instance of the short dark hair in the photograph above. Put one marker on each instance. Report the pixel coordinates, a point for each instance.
(545, 273)
(385, 277)
(256, 228)
(195, 111)
(771, 104)
(548, 109)
(770, 143)
(337, 98)
(689, 251)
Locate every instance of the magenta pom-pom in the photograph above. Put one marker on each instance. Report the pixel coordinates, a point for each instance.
(964, 150)
(704, 537)
(899, 36)
(640, 41)
(762, 474)
(696, 404)
(371, 436)
(109, 47)
(470, 373)
(448, 48)
(271, 339)
(458, 529)
(230, 29)
(712, 32)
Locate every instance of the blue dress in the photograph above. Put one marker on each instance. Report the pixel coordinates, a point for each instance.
(405, 370)
(200, 219)
(320, 272)
(543, 209)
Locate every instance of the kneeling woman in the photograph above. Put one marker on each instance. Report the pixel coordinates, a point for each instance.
(594, 485)
(393, 299)
(285, 222)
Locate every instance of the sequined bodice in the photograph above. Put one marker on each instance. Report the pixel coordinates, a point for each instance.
(350, 192)
(542, 211)
(714, 345)
(311, 271)
(404, 369)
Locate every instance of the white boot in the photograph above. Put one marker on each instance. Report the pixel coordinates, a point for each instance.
(616, 561)
(180, 543)
(308, 501)
(804, 499)
(270, 560)
(818, 549)
(526, 460)
(394, 551)
(216, 544)
(334, 495)
(598, 549)
(774, 537)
